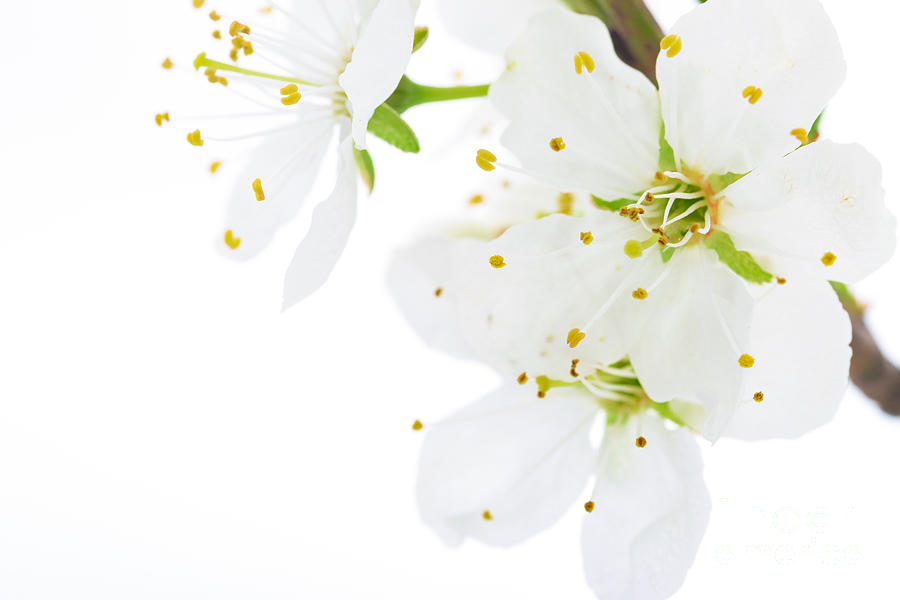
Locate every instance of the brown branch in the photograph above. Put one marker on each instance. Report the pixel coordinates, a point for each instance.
(870, 370)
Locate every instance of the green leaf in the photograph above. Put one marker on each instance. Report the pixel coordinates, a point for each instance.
(666, 254)
(365, 167)
(666, 153)
(738, 261)
(420, 37)
(387, 124)
(612, 205)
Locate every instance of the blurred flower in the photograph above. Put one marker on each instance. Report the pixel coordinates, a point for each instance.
(337, 64)
(701, 319)
(490, 25)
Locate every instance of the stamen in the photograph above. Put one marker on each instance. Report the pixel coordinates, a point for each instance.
(202, 61)
(194, 138)
(476, 199)
(161, 117)
(566, 202)
(417, 425)
(215, 16)
(217, 34)
(215, 166)
(258, 190)
(587, 237)
(497, 261)
(487, 516)
(801, 135)
(639, 294)
(486, 159)
(167, 64)
(557, 144)
(584, 61)
(781, 280)
(238, 28)
(752, 94)
(523, 378)
(198, 3)
(438, 292)
(575, 337)
(746, 361)
(640, 441)
(671, 44)
(572, 368)
(828, 259)
(758, 397)
(589, 506)
(231, 241)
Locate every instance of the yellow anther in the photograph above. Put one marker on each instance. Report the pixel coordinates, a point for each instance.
(486, 159)
(231, 241)
(194, 138)
(237, 29)
(222, 81)
(639, 294)
(438, 292)
(266, 10)
(215, 16)
(198, 3)
(167, 64)
(671, 44)
(781, 280)
(584, 62)
(828, 259)
(575, 336)
(758, 397)
(233, 54)
(497, 261)
(557, 144)
(215, 166)
(523, 378)
(289, 89)
(487, 516)
(640, 441)
(257, 189)
(587, 237)
(752, 94)
(217, 34)
(801, 135)
(291, 99)
(572, 368)
(566, 202)
(746, 361)
(542, 393)
(161, 117)
(589, 506)
(633, 249)
(417, 425)
(476, 199)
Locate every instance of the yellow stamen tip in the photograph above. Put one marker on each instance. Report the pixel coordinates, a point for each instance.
(589, 506)
(238, 28)
(522, 379)
(781, 280)
(828, 259)
(231, 241)
(633, 249)
(486, 159)
(258, 190)
(487, 516)
(639, 294)
(194, 138)
(640, 441)
(758, 397)
(291, 99)
(217, 34)
(167, 64)
(746, 361)
(476, 199)
(289, 89)
(417, 425)
(587, 237)
(584, 62)
(215, 166)
(575, 337)
(557, 144)
(497, 261)
(752, 94)
(671, 44)
(198, 3)
(160, 118)
(801, 135)
(438, 292)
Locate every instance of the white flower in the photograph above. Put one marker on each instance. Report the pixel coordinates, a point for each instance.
(740, 82)
(490, 25)
(339, 63)
(512, 463)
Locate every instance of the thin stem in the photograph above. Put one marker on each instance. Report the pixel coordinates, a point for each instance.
(202, 61)
(409, 94)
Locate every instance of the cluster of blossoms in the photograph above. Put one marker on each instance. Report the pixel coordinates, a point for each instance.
(673, 279)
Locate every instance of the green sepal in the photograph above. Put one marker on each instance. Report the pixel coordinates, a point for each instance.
(720, 182)
(365, 166)
(666, 254)
(611, 205)
(664, 409)
(666, 153)
(739, 261)
(420, 37)
(388, 125)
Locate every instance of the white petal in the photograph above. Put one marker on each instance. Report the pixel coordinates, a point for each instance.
(379, 61)
(800, 339)
(650, 514)
(689, 334)
(517, 317)
(521, 458)
(789, 50)
(328, 232)
(490, 26)
(286, 164)
(824, 197)
(608, 119)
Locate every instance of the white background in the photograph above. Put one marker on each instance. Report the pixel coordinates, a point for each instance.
(166, 432)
